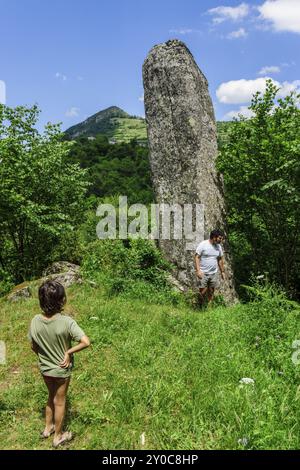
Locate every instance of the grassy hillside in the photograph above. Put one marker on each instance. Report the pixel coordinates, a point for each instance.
(167, 371)
(131, 128)
(119, 126)
(127, 129)
(113, 122)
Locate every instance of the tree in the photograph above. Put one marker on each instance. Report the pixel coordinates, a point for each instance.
(261, 167)
(121, 168)
(41, 195)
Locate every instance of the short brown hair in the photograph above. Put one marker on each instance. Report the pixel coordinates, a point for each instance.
(52, 297)
(216, 233)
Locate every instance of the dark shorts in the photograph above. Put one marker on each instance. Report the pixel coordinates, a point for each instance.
(209, 280)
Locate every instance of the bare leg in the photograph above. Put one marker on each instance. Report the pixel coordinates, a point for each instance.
(61, 388)
(210, 295)
(49, 414)
(202, 292)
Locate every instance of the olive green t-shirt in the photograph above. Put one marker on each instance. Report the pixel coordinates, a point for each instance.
(53, 336)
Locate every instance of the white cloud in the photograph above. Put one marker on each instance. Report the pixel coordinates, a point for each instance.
(61, 76)
(241, 91)
(141, 98)
(79, 78)
(240, 33)
(284, 15)
(223, 13)
(288, 87)
(184, 31)
(244, 111)
(72, 112)
(2, 92)
(288, 64)
(269, 69)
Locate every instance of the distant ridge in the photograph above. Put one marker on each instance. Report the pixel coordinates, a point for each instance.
(120, 126)
(113, 122)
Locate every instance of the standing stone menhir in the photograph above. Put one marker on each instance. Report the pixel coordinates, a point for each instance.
(183, 147)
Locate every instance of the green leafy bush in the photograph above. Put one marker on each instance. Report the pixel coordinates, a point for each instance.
(260, 162)
(270, 321)
(133, 266)
(42, 196)
(6, 282)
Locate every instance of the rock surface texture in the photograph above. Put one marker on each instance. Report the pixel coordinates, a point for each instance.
(19, 292)
(64, 272)
(183, 148)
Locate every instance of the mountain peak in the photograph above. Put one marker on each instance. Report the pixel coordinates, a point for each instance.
(98, 123)
(109, 121)
(114, 109)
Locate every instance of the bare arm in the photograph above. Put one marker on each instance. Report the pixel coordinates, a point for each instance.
(34, 347)
(199, 273)
(221, 266)
(84, 343)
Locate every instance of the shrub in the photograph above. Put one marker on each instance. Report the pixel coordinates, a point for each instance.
(119, 264)
(269, 323)
(6, 282)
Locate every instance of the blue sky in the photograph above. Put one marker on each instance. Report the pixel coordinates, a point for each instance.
(74, 58)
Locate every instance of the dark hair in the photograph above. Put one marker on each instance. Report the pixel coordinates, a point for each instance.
(216, 233)
(52, 297)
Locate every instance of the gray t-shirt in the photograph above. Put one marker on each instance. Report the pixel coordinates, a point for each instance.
(209, 254)
(54, 336)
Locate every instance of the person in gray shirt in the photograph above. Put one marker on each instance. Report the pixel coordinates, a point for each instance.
(208, 258)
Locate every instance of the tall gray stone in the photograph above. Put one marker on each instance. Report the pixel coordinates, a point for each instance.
(183, 148)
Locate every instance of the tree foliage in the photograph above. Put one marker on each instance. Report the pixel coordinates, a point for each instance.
(261, 167)
(41, 194)
(115, 168)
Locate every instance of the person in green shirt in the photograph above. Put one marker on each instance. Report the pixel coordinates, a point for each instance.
(51, 335)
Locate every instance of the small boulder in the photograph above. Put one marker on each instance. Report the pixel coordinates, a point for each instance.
(66, 279)
(64, 272)
(175, 284)
(19, 292)
(60, 267)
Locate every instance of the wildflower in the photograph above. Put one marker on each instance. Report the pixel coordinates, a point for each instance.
(143, 439)
(243, 441)
(246, 381)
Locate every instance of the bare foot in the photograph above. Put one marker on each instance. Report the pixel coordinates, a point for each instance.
(62, 439)
(47, 432)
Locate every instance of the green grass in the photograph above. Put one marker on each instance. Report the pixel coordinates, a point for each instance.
(127, 129)
(169, 372)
